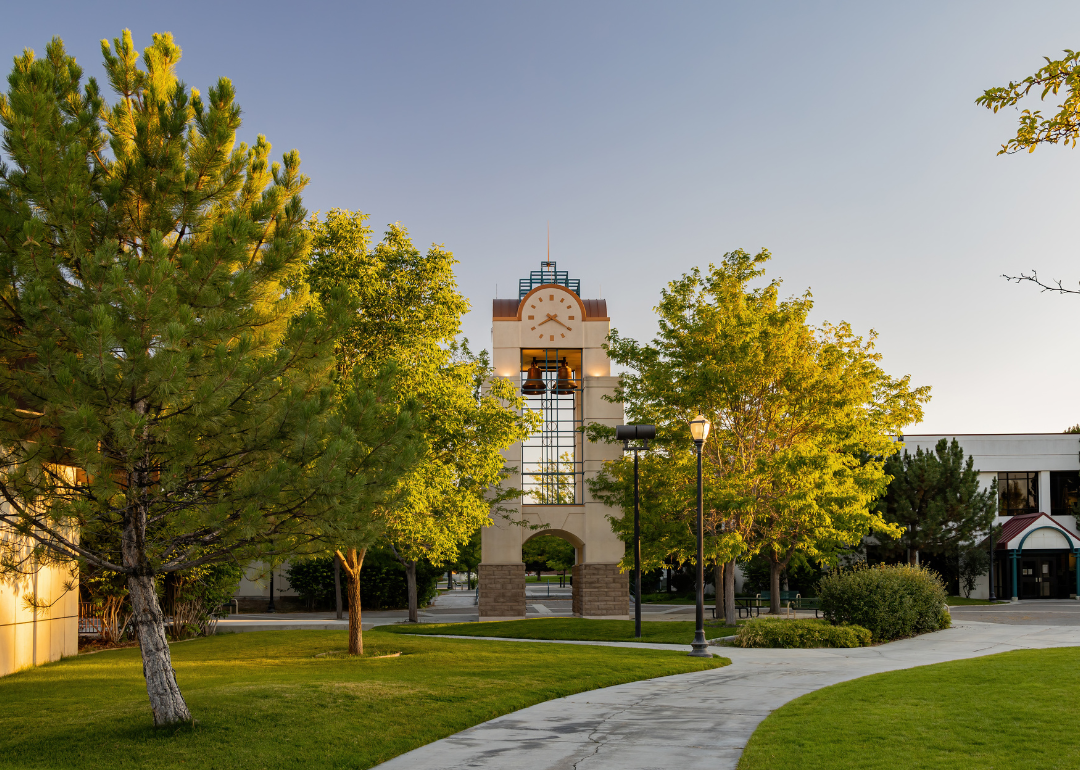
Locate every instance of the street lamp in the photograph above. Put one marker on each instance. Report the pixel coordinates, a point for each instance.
(993, 598)
(629, 433)
(699, 429)
(270, 607)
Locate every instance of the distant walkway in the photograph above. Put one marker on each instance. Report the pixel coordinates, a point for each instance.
(450, 607)
(700, 720)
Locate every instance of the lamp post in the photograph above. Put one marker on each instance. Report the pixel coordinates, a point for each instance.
(993, 598)
(629, 433)
(699, 429)
(270, 606)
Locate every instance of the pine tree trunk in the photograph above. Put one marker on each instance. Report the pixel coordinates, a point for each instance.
(730, 618)
(352, 566)
(166, 701)
(774, 586)
(410, 578)
(718, 581)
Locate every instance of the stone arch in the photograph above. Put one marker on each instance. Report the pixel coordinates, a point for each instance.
(562, 534)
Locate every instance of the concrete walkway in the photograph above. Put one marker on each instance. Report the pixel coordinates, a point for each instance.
(700, 720)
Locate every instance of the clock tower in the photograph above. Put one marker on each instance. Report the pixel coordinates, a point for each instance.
(548, 343)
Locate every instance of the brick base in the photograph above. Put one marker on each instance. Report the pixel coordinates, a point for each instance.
(600, 590)
(502, 591)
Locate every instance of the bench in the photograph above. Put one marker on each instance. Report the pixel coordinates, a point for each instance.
(809, 604)
(744, 608)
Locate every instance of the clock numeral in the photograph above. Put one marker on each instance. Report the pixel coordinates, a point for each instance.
(532, 329)
(541, 336)
(552, 337)
(568, 329)
(531, 318)
(551, 297)
(568, 318)
(562, 335)
(533, 307)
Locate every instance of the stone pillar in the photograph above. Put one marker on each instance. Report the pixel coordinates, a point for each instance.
(601, 591)
(502, 591)
(575, 590)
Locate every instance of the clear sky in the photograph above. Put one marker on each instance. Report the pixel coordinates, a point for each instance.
(657, 136)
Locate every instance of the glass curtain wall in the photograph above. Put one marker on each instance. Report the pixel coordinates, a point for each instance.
(551, 464)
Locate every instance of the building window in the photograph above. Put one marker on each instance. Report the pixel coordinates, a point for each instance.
(1018, 492)
(551, 459)
(1064, 492)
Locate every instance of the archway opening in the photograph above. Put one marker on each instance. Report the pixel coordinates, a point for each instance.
(554, 552)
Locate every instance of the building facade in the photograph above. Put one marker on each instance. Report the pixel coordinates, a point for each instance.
(548, 342)
(1038, 478)
(39, 614)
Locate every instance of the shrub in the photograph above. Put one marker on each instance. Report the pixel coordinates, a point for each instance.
(777, 632)
(892, 601)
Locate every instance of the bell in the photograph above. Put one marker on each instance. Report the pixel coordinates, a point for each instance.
(534, 383)
(564, 383)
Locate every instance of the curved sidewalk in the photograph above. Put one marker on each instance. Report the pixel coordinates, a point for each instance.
(700, 720)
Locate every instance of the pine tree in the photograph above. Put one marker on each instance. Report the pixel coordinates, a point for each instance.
(167, 383)
(935, 498)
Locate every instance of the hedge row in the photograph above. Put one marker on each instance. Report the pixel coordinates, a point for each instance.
(778, 632)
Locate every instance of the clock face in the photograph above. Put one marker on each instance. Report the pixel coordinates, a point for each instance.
(551, 314)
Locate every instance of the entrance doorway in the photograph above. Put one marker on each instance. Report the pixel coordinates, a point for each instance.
(1044, 577)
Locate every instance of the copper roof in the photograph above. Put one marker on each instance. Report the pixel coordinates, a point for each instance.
(504, 308)
(1012, 528)
(595, 309)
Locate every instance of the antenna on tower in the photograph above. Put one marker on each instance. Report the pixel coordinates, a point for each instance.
(549, 241)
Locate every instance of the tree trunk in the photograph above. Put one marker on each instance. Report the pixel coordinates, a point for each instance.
(337, 585)
(730, 618)
(410, 578)
(352, 566)
(166, 701)
(718, 581)
(774, 585)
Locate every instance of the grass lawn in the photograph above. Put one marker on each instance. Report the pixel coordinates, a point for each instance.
(1001, 711)
(263, 700)
(574, 629)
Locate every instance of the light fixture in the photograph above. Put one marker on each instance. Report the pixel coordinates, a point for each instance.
(699, 428)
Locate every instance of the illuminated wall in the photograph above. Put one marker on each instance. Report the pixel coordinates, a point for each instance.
(30, 637)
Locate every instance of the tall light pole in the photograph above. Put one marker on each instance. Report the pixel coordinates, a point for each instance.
(993, 598)
(270, 607)
(699, 429)
(629, 433)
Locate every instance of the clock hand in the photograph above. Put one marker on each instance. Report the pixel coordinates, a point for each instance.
(551, 317)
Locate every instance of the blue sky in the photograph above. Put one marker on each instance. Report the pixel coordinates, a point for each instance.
(655, 137)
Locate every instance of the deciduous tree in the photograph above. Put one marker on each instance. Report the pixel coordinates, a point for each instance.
(793, 409)
(1063, 127)
(408, 313)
